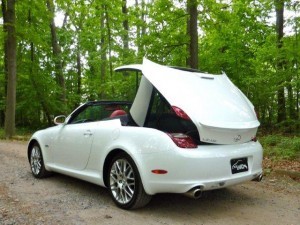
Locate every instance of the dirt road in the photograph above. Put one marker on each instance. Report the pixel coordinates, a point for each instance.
(63, 200)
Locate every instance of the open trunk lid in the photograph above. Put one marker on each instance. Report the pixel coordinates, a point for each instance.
(220, 111)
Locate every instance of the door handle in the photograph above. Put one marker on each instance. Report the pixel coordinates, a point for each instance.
(88, 133)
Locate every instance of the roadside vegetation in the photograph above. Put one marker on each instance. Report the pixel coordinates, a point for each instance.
(281, 147)
(22, 134)
(63, 53)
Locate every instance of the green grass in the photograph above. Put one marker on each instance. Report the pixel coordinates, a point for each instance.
(278, 146)
(22, 134)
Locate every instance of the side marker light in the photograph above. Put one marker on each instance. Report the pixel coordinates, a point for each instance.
(158, 171)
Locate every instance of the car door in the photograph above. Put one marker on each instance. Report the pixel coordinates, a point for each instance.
(72, 146)
(74, 140)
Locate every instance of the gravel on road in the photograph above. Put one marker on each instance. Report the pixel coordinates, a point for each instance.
(63, 200)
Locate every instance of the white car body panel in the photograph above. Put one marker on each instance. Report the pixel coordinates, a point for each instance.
(141, 102)
(207, 166)
(70, 153)
(218, 108)
(221, 113)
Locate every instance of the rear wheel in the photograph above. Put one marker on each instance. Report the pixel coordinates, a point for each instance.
(125, 184)
(37, 162)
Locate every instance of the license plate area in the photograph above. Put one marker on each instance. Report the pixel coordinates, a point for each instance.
(239, 165)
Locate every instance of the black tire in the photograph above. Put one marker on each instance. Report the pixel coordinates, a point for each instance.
(125, 185)
(37, 162)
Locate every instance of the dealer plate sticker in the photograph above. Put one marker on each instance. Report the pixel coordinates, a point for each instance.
(239, 165)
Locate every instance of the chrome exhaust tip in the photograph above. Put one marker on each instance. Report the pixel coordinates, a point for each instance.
(258, 178)
(194, 193)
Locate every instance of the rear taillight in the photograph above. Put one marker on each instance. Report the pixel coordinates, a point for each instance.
(179, 112)
(182, 140)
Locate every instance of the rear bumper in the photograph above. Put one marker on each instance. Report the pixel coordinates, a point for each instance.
(207, 166)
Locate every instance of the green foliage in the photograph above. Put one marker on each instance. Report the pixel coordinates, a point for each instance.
(237, 37)
(281, 147)
(167, 40)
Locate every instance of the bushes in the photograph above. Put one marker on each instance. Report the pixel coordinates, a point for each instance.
(22, 134)
(281, 147)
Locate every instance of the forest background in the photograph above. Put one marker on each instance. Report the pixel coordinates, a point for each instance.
(57, 54)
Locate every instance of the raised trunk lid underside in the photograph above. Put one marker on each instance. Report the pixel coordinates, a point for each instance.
(220, 111)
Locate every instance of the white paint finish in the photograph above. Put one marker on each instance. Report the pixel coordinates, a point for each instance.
(72, 144)
(213, 102)
(141, 102)
(132, 67)
(151, 149)
(218, 109)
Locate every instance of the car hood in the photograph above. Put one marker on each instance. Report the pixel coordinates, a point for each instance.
(212, 102)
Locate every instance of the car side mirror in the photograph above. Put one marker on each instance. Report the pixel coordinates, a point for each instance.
(59, 119)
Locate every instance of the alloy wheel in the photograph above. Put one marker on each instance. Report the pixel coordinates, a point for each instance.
(36, 160)
(122, 181)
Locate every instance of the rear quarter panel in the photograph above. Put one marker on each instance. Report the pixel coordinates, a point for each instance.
(135, 141)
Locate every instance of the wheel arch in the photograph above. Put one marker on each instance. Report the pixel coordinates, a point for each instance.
(134, 145)
(107, 161)
(30, 144)
(140, 197)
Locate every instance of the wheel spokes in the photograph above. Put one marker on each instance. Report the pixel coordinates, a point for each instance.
(122, 181)
(36, 160)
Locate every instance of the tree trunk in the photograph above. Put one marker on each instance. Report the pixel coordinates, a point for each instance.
(126, 31)
(192, 32)
(103, 50)
(78, 65)
(279, 5)
(57, 54)
(297, 91)
(36, 87)
(140, 28)
(10, 62)
(109, 48)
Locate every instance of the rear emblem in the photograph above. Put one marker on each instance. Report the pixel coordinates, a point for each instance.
(237, 138)
(239, 165)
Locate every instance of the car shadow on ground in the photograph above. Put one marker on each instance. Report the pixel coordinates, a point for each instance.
(219, 200)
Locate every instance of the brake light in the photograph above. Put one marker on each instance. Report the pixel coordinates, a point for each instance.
(179, 112)
(182, 140)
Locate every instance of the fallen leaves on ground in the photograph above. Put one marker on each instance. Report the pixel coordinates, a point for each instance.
(282, 167)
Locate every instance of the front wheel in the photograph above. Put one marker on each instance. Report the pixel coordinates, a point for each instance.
(125, 184)
(37, 162)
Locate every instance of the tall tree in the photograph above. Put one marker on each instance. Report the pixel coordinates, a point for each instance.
(10, 62)
(126, 30)
(140, 26)
(57, 53)
(235, 37)
(102, 48)
(109, 34)
(279, 6)
(192, 32)
(33, 79)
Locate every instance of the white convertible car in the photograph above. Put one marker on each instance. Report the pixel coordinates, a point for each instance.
(185, 132)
